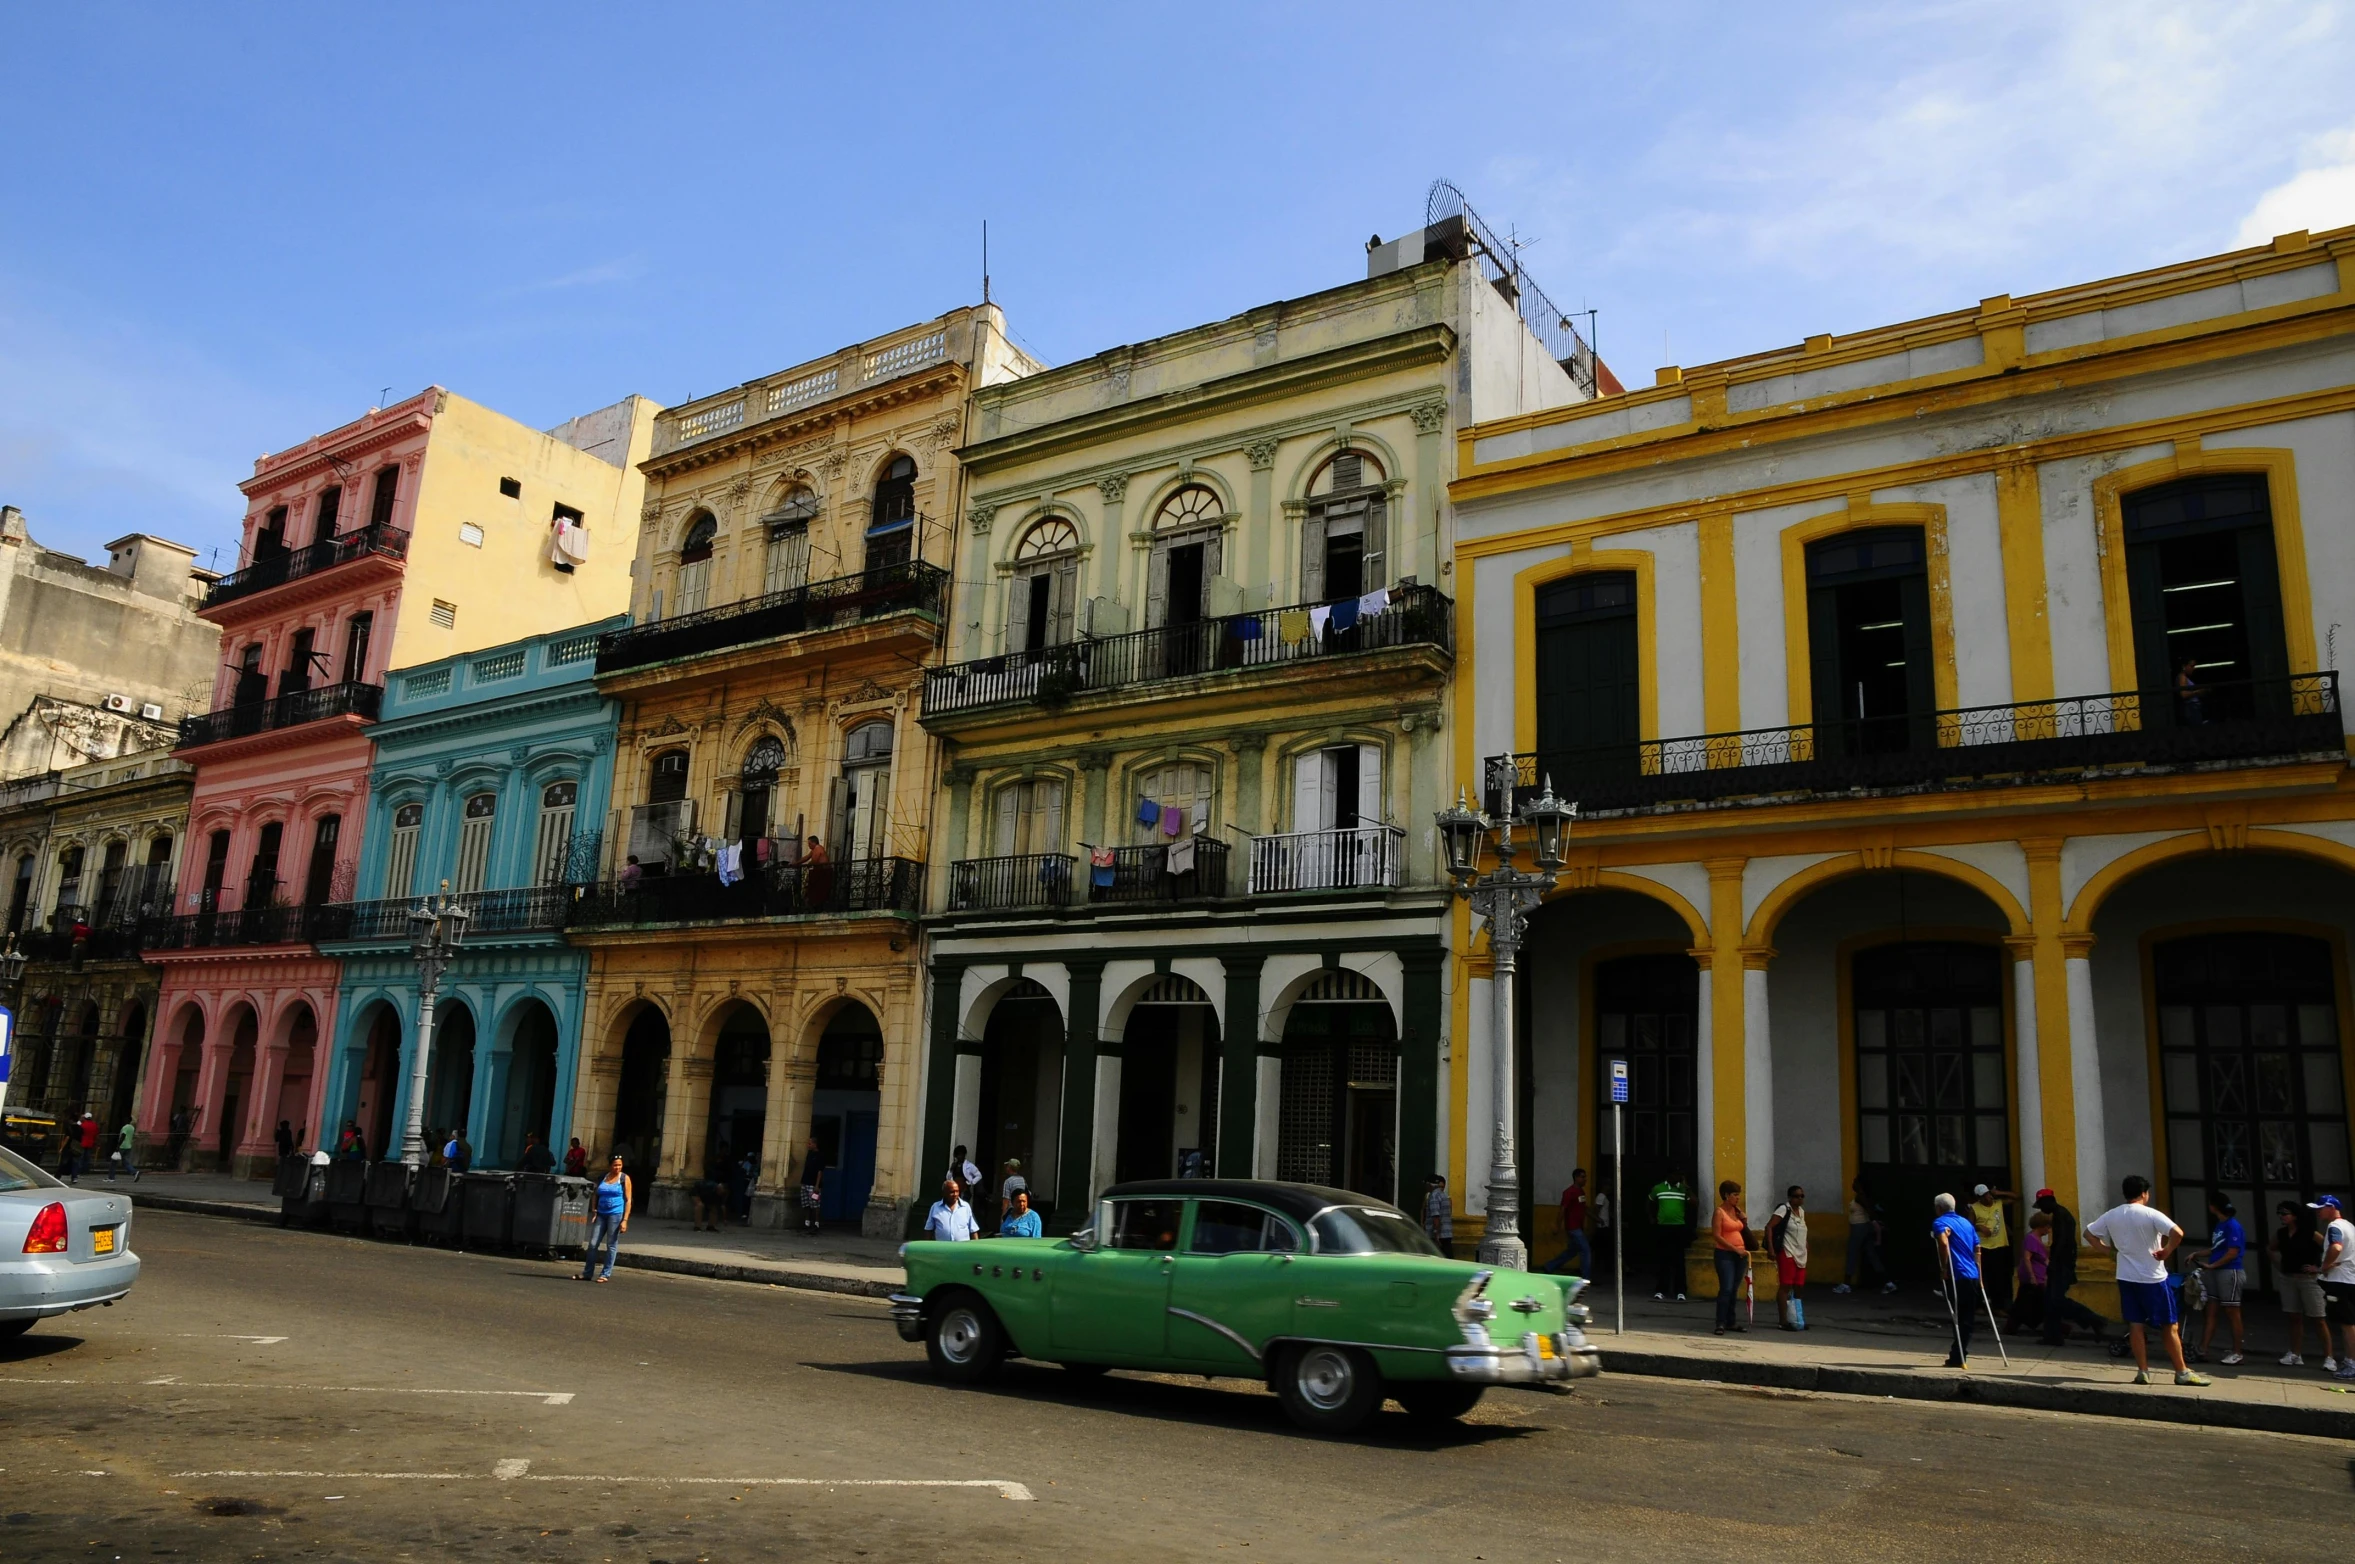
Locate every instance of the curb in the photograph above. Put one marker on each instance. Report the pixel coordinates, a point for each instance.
(715, 1270)
(2026, 1395)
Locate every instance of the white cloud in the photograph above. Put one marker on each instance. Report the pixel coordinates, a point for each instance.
(2320, 196)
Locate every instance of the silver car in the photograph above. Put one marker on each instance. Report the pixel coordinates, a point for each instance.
(61, 1249)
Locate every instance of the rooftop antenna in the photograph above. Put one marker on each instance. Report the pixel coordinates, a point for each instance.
(383, 397)
(985, 260)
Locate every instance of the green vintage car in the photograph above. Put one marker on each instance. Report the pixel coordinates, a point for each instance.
(1334, 1300)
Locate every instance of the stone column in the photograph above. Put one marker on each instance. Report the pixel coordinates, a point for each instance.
(2027, 1087)
(259, 1139)
(1074, 1163)
(689, 1113)
(1104, 1148)
(1238, 1074)
(2085, 1076)
(1728, 1081)
(212, 1090)
(940, 1083)
(965, 1121)
(1418, 550)
(492, 1072)
(2055, 1049)
(1250, 785)
(155, 1101)
(1758, 1175)
(1259, 521)
(593, 1110)
(1095, 768)
(1267, 1107)
(1419, 1101)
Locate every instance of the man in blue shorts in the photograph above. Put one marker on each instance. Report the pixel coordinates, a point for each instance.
(2143, 1237)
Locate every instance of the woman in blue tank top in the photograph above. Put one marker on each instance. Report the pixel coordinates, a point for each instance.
(609, 1219)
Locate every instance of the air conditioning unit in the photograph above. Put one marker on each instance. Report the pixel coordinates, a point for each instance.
(152, 712)
(121, 703)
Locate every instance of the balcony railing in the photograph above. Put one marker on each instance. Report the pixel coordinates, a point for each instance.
(914, 587)
(284, 711)
(1052, 675)
(1359, 858)
(272, 925)
(777, 891)
(1021, 883)
(1141, 875)
(536, 909)
(277, 569)
(2245, 721)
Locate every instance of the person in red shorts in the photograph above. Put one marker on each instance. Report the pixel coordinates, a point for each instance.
(1786, 1240)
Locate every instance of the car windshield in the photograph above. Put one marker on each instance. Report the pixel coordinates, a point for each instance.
(17, 1173)
(1368, 1230)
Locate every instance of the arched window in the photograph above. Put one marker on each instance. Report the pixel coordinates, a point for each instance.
(400, 869)
(474, 842)
(668, 783)
(756, 790)
(1187, 545)
(789, 541)
(1044, 589)
(695, 563)
(1343, 545)
(552, 842)
(862, 811)
(891, 529)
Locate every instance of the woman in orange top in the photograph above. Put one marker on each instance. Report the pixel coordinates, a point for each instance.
(1731, 1229)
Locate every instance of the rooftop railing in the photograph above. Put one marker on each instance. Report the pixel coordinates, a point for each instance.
(277, 569)
(2249, 720)
(1052, 675)
(914, 587)
(284, 711)
(857, 885)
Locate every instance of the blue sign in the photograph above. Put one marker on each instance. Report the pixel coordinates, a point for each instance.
(7, 1041)
(1619, 1080)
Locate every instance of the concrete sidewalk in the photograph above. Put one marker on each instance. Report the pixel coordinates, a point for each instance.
(1863, 1345)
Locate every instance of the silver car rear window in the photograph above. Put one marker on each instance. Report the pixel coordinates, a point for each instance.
(17, 1173)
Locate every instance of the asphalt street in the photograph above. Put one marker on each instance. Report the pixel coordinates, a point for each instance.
(269, 1395)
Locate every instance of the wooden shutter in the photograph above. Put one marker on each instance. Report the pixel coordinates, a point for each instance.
(733, 830)
(837, 836)
(2261, 606)
(1157, 585)
(1377, 557)
(1213, 564)
(1312, 558)
(1823, 654)
(1307, 789)
(1009, 821)
(400, 876)
(1062, 602)
(1369, 784)
(1921, 679)
(1047, 802)
(1017, 615)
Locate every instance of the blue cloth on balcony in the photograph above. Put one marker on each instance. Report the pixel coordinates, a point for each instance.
(1345, 613)
(1148, 812)
(1246, 628)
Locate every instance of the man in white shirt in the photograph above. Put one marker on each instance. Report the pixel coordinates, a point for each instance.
(951, 1219)
(2142, 1237)
(2338, 1282)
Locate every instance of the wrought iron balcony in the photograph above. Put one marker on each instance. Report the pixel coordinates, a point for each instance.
(914, 587)
(1021, 883)
(535, 909)
(278, 569)
(858, 885)
(1364, 857)
(1140, 875)
(265, 925)
(1053, 675)
(1971, 746)
(284, 711)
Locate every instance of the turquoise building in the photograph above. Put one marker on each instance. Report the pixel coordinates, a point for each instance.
(492, 773)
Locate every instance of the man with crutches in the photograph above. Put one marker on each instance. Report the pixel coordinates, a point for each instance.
(1958, 1265)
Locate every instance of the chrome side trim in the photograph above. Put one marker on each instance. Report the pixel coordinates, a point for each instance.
(1205, 1320)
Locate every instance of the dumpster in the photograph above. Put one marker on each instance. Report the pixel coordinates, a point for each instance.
(347, 1196)
(551, 1213)
(301, 1187)
(436, 1206)
(387, 1199)
(488, 1200)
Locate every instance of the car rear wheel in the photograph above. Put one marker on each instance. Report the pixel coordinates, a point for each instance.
(964, 1340)
(1328, 1389)
(1437, 1401)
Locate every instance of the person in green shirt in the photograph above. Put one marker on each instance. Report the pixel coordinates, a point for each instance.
(126, 1157)
(1671, 1230)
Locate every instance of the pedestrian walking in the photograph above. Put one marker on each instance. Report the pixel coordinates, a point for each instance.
(285, 1140)
(536, 1158)
(609, 1218)
(1439, 1213)
(1957, 1238)
(2221, 1272)
(1729, 1232)
(951, 1217)
(1995, 1241)
(1669, 1236)
(126, 1151)
(1574, 1245)
(1598, 1226)
(1786, 1240)
(1020, 1221)
(961, 1169)
(2142, 1237)
(1864, 1244)
(813, 1181)
(2060, 1310)
(2338, 1282)
(2028, 1301)
(84, 1137)
(2297, 1265)
(576, 1159)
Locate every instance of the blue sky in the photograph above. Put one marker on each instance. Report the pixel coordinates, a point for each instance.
(225, 228)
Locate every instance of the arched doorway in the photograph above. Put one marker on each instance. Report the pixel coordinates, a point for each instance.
(181, 1088)
(1647, 1011)
(1169, 1082)
(739, 1091)
(237, 1092)
(846, 1107)
(1021, 1092)
(642, 1091)
(531, 1082)
(380, 1083)
(1338, 1124)
(128, 1062)
(449, 1074)
(294, 1085)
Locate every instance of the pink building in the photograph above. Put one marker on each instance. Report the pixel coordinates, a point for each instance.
(418, 533)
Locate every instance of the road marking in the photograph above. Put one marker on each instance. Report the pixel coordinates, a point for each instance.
(259, 1341)
(1018, 1492)
(554, 1398)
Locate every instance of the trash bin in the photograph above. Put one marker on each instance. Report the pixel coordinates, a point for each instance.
(347, 1196)
(437, 1208)
(489, 1205)
(387, 1199)
(289, 1180)
(551, 1213)
(301, 1187)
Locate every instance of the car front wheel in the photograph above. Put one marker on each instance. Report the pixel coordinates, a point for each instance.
(1328, 1389)
(964, 1340)
(1436, 1401)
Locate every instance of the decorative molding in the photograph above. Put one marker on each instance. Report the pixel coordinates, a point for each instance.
(1428, 417)
(650, 512)
(1114, 486)
(981, 516)
(1261, 454)
(519, 753)
(766, 710)
(944, 431)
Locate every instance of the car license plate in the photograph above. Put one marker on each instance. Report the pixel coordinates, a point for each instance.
(102, 1240)
(1545, 1346)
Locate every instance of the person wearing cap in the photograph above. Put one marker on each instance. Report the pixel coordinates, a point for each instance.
(1995, 1241)
(2060, 1310)
(2142, 1237)
(2297, 1268)
(2222, 1272)
(2338, 1282)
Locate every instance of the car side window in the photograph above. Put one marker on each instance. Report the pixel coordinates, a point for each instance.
(1226, 1227)
(1143, 1224)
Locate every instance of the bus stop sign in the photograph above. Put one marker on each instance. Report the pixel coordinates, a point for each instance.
(1619, 1080)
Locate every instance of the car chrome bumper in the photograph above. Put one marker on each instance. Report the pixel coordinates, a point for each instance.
(37, 1289)
(907, 1315)
(1570, 1356)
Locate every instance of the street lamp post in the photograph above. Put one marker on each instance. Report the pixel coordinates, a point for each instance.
(12, 976)
(1503, 898)
(436, 925)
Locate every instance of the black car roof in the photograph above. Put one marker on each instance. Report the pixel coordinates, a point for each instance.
(1299, 1201)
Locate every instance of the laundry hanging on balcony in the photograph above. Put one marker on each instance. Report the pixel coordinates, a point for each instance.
(1245, 628)
(1316, 620)
(569, 545)
(1148, 812)
(1374, 602)
(1345, 614)
(731, 863)
(1173, 820)
(1292, 626)
(1181, 855)
(1101, 862)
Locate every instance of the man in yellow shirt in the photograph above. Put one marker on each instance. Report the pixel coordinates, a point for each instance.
(1995, 1242)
